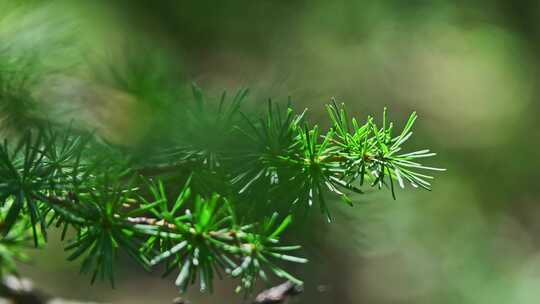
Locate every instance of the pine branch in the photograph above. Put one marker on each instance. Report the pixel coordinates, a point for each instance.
(209, 197)
(114, 200)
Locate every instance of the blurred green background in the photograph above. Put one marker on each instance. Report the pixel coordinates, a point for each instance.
(470, 68)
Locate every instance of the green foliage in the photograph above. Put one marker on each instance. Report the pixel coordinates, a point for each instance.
(113, 200)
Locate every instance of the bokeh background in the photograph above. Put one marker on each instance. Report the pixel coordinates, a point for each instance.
(470, 68)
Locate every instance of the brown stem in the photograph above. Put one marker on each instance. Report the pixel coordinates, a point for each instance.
(151, 221)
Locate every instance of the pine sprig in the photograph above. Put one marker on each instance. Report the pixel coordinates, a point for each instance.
(203, 243)
(371, 154)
